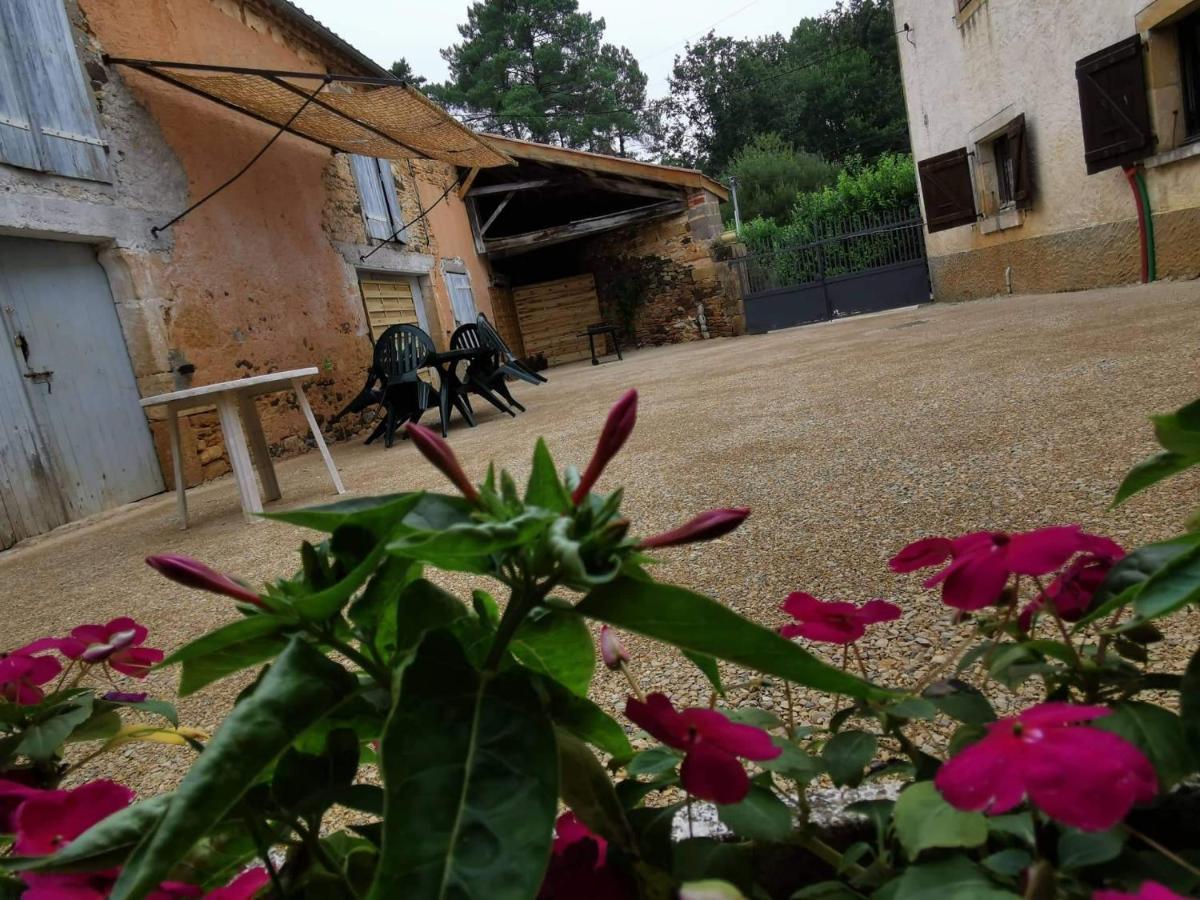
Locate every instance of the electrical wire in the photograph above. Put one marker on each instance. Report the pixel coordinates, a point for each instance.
(414, 221)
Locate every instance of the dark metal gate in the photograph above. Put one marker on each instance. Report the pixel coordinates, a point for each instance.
(868, 264)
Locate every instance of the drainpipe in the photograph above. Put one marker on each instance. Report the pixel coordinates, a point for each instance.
(737, 213)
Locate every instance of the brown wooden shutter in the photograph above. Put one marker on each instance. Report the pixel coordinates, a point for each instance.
(947, 190)
(1113, 106)
(1018, 148)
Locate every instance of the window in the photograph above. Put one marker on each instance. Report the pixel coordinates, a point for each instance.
(1002, 152)
(1189, 71)
(47, 121)
(390, 301)
(377, 195)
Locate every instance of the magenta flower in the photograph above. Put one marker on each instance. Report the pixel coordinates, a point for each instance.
(711, 745)
(12, 795)
(68, 886)
(617, 428)
(175, 890)
(1071, 592)
(21, 677)
(1150, 890)
(243, 887)
(117, 644)
(50, 820)
(611, 649)
(833, 621)
(982, 562)
(438, 452)
(569, 830)
(124, 697)
(1081, 776)
(578, 869)
(705, 527)
(195, 574)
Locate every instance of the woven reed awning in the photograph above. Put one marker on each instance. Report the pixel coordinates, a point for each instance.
(354, 114)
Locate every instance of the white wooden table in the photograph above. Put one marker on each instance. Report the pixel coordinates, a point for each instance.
(239, 419)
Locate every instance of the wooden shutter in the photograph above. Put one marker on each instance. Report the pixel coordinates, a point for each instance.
(371, 196)
(388, 185)
(1113, 106)
(462, 299)
(390, 301)
(1018, 148)
(947, 190)
(58, 100)
(17, 147)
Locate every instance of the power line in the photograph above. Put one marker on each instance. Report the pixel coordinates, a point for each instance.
(740, 9)
(413, 221)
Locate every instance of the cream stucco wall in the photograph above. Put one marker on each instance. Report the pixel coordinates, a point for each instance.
(1002, 58)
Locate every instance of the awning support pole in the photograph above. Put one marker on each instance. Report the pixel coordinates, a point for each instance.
(244, 169)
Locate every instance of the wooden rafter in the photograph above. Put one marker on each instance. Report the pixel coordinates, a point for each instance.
(557, 234)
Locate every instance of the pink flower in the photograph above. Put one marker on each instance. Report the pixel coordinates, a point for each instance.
(12, 795)
(1150, 890)
(438, 452)
(611, 650)
(1071, 592)
(117, 644)
(711, 744)
(195, 574)
(982, 562)
(68, 886)
(578, 869)
(705, 527)
(617, 428)
(50, 820)
(1081, 776)
(833, 621)
(171, 890)
(21, 677)
(569, 830)
(243, 887)
(124, 697)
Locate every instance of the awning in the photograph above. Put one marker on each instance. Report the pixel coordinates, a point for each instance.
(351, 113)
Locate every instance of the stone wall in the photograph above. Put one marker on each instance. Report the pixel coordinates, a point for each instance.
(653, 279)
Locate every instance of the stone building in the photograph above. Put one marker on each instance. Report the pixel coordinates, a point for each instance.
(1031, 124)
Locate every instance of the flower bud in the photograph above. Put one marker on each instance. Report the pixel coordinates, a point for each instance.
(124, 697)
(617, 428)
(195, 574)
(611, 650)
(438, 452)
(705, 527)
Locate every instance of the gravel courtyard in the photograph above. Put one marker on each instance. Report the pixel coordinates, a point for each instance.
(847, 440)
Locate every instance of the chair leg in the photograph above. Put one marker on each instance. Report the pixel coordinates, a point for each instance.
(379, 427)
(617, 345)
(483, 391)
(444, 405)
(501, 388)
(389, 426)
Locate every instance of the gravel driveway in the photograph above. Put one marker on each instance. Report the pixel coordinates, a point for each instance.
(847, 440)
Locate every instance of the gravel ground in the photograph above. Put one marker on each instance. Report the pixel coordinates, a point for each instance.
(847, 440)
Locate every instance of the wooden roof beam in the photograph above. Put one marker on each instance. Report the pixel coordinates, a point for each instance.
(557, 234)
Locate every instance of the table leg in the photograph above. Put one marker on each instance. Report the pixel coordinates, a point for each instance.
(592, 348)
(238, 454)
(316, 433)
(177, 465)
(258, 447)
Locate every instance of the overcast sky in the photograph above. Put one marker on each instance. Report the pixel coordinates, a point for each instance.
(655, 30)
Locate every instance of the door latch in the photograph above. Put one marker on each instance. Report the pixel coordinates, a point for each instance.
(42, 378)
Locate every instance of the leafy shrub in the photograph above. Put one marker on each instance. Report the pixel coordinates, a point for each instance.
(770, 172)
(478, 723)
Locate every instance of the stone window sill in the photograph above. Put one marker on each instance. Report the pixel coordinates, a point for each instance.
(1187, 151)
(1001, 221)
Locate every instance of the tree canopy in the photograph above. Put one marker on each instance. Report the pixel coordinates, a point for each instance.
(402, 70)
(770, 173)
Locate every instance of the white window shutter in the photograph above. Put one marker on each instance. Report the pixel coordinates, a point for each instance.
(371, 196)
(17, 147)
(462, 299)
(388, 182)
(59, 102)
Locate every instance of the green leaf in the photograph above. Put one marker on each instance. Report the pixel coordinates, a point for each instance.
(322, 605)
(420, 607)
(470, 767)
(378, 514)
(711, 888)
(105, 844)
(793, 762)
(582, 566)
(392, 576)
(1126, 578)
(1189, 700)
(912, 708)
(960, 701)
(654, 761)
(1156, 732)
(877, 812)
(924, 820)
(468, 546)
(585, 720)
(487, 610)
(761, 816)
(954, 878)
(100, 726)
(231, 648)
(1011, 862)
(42, 739)
(753, 715)
(157, 707)
(303, 782)
(846, 754)
(545, 489)
(709, 669)
(558, 644)
(1179, 431)
(1153, 470)
(1077, 849)
(300, 688)
(700, 624)
(588, 791)
(1175, 585)
(1018, 825)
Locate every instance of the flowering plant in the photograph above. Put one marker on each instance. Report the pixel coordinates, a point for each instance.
(458, 732)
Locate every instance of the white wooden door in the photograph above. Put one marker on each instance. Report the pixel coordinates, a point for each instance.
(77, 441)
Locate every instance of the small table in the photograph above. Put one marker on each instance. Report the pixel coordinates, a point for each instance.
(601, 329)
(450, 389)
(236, 410)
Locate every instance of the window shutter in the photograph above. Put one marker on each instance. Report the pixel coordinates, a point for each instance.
(1018, 144)
(370, 195)
(1113, 107)
(16, 135)
(388, 183)
(62, 119)
(462, 299)
(947, 190)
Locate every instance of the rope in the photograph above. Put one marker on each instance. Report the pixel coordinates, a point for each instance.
(414, 221)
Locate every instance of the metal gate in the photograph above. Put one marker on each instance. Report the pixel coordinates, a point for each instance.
(73, 438)
(868, 264)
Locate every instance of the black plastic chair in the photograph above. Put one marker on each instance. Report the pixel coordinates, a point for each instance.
(400, 355)
(508, 363)
(483, 376)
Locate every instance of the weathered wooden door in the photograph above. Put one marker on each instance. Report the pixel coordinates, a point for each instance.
(73, 439)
